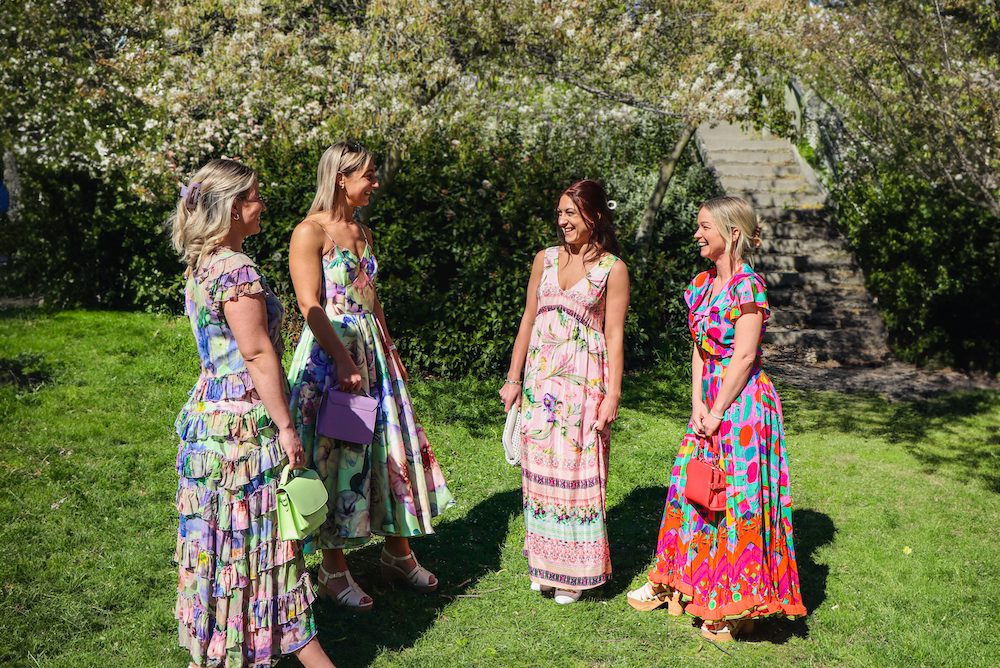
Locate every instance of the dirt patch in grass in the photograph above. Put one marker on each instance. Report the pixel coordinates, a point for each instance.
(896, 381)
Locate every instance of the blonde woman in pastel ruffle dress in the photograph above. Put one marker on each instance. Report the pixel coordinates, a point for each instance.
(244, 595)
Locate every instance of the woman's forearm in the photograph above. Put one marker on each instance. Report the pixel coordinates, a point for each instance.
(269, 382)
(616, 366)
(322, 329)
(520, 352)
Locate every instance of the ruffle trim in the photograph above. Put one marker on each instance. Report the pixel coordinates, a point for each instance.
(224, 510)
(748, 288)
(196, 424)
(229, 573)
(236, 283)
(233, 386)
(262, 614)
(751, 605)
(231, 473)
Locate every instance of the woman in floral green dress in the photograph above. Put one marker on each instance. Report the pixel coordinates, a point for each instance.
(243, 595)
(392, 486)
(570, 348)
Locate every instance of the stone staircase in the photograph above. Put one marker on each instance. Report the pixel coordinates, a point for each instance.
(820, 308)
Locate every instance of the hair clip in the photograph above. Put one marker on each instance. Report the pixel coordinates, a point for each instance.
(190, 195)
(612, 205)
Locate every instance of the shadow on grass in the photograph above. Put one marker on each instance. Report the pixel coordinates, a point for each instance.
(941, 432)
(632, 528)
(25, 371)
(812, 530)
(660, 392)
(459, 554)
(472, 404)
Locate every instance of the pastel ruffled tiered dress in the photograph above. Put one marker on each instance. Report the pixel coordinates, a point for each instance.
(244, 595)
(392, 486)
(739, 562)
(564, 461)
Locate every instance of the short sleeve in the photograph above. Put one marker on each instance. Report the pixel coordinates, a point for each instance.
(238, 276)
(695, 288)
(748, 289)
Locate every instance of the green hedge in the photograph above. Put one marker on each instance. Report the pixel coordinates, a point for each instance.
(933, 262)
(455, 255)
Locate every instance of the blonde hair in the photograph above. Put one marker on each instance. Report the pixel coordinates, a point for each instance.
(341, 158)
(199, 231)
(733, 213)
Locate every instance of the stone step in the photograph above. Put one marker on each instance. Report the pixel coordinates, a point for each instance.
(842, 345)
(820, 301)
(781, 184)
(769, 199)
(756, 170)
(771, 244)
(810, 216)
(724, 157)
(812, 262)
(827, 279)
(790, 319)
(797, 231)
(723, 143)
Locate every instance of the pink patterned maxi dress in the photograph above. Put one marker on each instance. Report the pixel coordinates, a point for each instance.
(564, 462)
(740, 561)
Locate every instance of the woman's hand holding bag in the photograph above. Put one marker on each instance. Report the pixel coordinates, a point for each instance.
(705, 483)
(301, 502)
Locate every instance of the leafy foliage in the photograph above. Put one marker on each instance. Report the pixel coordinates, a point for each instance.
(457, 234)
(932, 260)
(908, 133)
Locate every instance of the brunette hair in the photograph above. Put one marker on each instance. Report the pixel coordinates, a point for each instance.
(341, 158)
(734, 213)
(592, 202)
(201, 219)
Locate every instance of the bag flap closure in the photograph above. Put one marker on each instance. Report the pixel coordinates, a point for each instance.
(306, 491)
(355, 401)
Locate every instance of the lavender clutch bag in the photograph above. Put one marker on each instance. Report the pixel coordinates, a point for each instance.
(347, 417)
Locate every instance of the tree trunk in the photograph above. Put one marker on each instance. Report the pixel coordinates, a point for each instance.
(644, 233)
(12, 180)
(385, 176)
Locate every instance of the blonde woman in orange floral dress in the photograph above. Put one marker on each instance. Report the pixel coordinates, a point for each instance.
(571, 352)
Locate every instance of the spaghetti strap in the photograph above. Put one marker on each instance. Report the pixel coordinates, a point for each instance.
(324, 231)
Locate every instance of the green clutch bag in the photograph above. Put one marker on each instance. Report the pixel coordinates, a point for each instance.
(301, 503)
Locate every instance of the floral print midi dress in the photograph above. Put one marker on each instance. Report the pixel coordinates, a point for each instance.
(564, 461)
(741, 561)
(392, 486)
(243, 595)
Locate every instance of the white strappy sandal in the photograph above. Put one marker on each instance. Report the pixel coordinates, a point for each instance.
(567, 596)
(419, 578)
(350, 597)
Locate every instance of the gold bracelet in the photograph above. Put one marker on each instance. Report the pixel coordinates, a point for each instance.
(512, 382)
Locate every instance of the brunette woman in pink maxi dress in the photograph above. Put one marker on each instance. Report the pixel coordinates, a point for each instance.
(570, 349)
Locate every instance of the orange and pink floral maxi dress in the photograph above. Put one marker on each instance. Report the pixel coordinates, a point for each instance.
(564, 461)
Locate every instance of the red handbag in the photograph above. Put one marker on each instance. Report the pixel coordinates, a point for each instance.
(706, 482)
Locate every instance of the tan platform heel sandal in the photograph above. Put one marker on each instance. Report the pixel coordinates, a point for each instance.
(350, 597)
(728, 630)
(649, 597)
(418, 578)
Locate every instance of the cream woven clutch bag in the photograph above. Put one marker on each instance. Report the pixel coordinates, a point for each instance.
(512, 437)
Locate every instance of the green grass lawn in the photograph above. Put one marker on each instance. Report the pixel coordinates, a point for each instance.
(896, 515)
